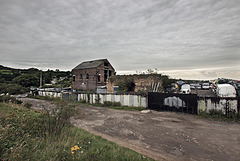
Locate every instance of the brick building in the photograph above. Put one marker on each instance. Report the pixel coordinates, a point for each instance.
(90, 74)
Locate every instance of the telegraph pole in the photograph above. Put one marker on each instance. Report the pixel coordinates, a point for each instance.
(41, 79)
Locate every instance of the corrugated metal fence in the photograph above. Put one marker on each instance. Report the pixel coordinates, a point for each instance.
(187, 103)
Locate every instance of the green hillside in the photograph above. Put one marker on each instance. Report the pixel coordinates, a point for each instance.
(15, 81)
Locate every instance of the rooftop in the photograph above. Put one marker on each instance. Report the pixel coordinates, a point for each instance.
(91, 64)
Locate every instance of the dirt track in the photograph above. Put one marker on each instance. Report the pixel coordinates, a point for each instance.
(163, 135)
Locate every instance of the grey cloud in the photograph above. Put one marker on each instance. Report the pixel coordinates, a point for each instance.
(133, 35)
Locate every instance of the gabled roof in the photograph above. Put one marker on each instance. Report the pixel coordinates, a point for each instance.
(91, 64)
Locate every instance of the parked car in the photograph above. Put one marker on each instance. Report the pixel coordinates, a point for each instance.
(198, 86)
(192, 86)
(205, 86)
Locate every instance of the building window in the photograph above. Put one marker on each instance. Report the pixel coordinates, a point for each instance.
(80, 77)
(105, 64)
(99, 78)
(73, 78)
(87, 76)
(105, 75)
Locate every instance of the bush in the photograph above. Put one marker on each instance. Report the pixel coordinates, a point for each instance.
(116, 104)
(11, 89)
(57, 119)
(22, 132)
(216, 112)
(107, 103)
(28, 105)
(27, 80)
(7, 99)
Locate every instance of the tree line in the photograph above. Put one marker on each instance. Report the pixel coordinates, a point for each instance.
(14, 81)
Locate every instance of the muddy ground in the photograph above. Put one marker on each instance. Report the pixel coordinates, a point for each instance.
(161, 135)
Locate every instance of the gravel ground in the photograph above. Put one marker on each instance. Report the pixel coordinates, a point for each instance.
(160, 135)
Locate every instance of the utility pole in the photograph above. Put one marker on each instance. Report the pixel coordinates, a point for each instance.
(41, 79)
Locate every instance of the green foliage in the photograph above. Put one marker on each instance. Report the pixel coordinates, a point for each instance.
(116, 104)
(67, 82)
(9, 99)
(7, 75)
(11, 89)
(83, 101)
(46, 98)
(126, 85)
(109, 103)
(219, 115)
(27, 105)
(98, 99)
(26, 80)
(24, 136)
(166, 81)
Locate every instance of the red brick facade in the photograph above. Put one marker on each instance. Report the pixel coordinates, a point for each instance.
(89, 75)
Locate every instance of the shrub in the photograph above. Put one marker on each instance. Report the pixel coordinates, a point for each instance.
(7, 99)
(11, 89)
(28, 105)
(107, 103)
(55, 120)
(18, 102)
(98, 99)
(216, 112)
(26, 80)
(116, 104)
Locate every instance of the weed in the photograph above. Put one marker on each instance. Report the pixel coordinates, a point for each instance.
(28, 105)
(107, 103)
(24, 135)
(219, 116)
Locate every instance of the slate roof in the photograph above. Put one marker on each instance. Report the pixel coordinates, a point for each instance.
(90, 64)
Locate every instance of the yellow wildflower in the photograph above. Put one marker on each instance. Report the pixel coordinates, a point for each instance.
(75, 148)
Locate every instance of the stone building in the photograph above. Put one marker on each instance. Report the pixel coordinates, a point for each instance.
(91, 74)
(136, 83)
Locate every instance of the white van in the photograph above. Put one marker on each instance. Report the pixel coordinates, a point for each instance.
(185, 89)
(225, 90)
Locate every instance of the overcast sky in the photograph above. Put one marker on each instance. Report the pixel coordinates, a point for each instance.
(189, 39)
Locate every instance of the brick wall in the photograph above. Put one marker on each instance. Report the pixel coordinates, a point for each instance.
(142, 82)
(92, 82)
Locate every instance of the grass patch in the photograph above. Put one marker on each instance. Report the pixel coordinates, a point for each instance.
(219, 116)
(125, 108)
(23, 137)
(47, 98)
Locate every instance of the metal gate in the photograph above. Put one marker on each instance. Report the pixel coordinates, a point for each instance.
(186, 103)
